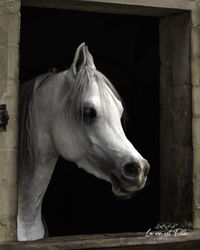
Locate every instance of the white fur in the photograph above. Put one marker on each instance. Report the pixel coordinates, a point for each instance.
(100, 148)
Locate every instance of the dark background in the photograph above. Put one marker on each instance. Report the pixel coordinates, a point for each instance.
(126, 49)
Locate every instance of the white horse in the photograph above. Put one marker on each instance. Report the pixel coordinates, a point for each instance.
(75, 114)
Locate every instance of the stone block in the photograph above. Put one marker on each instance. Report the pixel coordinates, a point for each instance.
(13, 29)
(9, 139)
(196, 101)
(196, 191)
(3, 85)
(195, 55)
(12, 103)
(195, 41)
(196, 162)
(195, 63)
(12, 130)
(195, 17)
(8, 229)
(196, 132)
(3, 30)
(3, 63)
(13, 6)
(13, 62)
(8, 197)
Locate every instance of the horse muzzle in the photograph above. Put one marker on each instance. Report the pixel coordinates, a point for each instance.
(132, 177)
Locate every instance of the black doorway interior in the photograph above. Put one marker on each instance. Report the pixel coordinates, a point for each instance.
(126, 50)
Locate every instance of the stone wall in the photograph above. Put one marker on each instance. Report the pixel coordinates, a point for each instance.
(9, 41)
(9, 49)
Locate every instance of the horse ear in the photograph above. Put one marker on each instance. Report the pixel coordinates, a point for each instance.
(89, 59)
(79, 59)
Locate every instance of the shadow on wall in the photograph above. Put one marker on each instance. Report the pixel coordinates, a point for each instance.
(126, 50)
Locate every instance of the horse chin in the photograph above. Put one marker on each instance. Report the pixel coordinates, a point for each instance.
(124, 191)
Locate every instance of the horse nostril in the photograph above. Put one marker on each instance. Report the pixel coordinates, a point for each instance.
(131, 170)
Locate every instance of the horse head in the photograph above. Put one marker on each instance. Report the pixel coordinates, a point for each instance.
(91, 132)
(77, 114)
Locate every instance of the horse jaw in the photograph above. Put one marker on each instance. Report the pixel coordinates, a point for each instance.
(108, 146)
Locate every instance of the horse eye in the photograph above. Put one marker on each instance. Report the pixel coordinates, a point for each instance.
(89, 113)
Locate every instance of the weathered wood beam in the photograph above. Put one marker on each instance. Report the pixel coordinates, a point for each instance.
(195, 76)
(136, 7)
(126, 241)
(175, 120)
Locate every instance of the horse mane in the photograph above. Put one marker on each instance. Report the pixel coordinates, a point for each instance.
(27, 89)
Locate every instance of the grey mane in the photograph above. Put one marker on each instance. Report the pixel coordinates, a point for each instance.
(27, 90)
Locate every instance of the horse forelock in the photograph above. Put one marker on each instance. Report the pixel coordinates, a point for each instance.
(80, 91)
